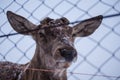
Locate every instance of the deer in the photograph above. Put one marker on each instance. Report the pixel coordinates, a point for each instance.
(55, 48)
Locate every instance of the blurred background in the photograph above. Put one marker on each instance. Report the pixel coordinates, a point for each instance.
(98, 54)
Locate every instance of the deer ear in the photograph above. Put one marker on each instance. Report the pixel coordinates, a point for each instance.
(87, 27)
(19, 23)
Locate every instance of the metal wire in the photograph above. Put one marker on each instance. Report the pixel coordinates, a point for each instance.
(98, 54)
(52, 71)
(12, 34)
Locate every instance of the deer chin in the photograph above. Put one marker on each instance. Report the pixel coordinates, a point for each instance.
(62, 64)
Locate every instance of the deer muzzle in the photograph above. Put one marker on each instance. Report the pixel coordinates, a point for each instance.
(69, 55)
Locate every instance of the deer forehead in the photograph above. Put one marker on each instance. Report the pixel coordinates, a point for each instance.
(55, 27)
(50, 37)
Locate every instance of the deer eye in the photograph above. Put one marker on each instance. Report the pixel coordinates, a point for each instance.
(42, 37)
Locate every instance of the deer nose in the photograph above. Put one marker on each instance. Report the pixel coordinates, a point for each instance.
(69, 55)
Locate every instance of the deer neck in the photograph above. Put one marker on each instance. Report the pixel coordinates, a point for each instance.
(36, 61)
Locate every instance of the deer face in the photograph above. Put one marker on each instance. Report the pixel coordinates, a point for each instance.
(57, 43)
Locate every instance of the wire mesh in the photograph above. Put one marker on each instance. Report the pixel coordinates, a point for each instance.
(98, 54)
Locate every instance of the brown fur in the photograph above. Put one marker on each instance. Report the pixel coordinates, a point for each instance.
(49, 43)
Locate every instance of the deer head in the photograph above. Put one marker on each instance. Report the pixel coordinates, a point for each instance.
(55, 45)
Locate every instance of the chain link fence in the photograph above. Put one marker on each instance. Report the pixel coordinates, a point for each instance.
(98, 54)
